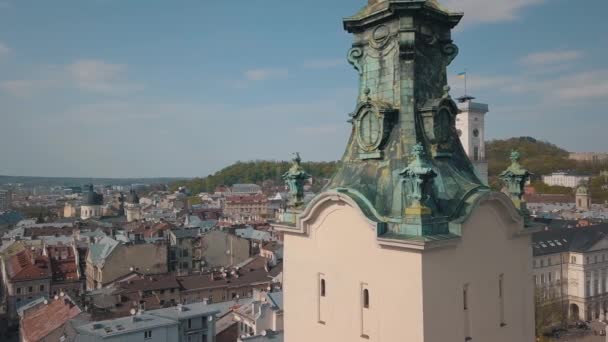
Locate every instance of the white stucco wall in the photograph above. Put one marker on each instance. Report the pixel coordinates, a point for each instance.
(342, 246)
(485, 251)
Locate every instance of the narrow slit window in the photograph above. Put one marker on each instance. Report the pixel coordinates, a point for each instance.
(322, 287)
(366, 298)
(465, 299)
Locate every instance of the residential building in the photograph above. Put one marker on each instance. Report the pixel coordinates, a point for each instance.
(183, 323)
(589, 156)
(5, 199)
(181, 252)
(406, 243)
(246, 207)
(571, 266)
(263, 316)
(27, 275)
(218, 248)
(245, 189)
(273, 251)
(65, 269)
(46, 320)
(108, 260)
(565, 179)
(228, 283)
(470, 125)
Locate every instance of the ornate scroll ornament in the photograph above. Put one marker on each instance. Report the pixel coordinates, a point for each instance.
(449, 50)
(354, 58)
(439, 123)
(418, 177)
(373, 122)
(295, 178)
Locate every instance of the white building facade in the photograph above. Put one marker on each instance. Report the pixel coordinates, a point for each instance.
(565, 179)
(470, 125)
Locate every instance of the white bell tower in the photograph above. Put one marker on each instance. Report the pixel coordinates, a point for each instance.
(470, 124)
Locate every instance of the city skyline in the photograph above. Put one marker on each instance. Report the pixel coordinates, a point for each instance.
(108, 89)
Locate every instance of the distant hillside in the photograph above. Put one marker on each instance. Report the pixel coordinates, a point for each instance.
(253, 172)
(541, 158)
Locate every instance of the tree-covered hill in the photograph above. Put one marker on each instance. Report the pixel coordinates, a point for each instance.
(541, 158)
(253, 172)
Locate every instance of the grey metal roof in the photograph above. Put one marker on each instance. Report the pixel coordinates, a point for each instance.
(277, 299)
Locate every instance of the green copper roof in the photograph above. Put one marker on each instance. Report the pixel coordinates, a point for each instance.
(404, 164)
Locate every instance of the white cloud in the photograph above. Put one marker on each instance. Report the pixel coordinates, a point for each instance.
(4, 50)
(264, 74)
(324, 63)
(24, 88)
(100, 76)
(85, 75)
(489, 11)
(551, 57)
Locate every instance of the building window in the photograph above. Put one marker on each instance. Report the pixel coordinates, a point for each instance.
(322, 287)
(189, 323)
(595, 259)
(321, 300)
(501, 299)
(30, 289)
(476, 153)
(366, 299)
(41, 288)
(148, 334)
(549, 262)
(588, 260)
(465, 298)
(18, 290)
(573, 260)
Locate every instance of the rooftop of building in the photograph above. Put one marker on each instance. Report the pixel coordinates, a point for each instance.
(568, 240)
(28, 265)
(40, 320)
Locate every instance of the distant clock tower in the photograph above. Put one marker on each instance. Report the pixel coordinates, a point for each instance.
(470, 125)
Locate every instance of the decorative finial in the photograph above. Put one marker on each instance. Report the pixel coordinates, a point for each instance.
(446, 92)
(295, 178)
(515, 156)
(515, 178)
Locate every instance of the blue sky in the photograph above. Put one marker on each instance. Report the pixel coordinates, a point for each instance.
(115, 88)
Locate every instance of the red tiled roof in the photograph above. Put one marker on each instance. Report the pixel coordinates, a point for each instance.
(21, 268)
(63, 263)
(548, 198)
(41, 321)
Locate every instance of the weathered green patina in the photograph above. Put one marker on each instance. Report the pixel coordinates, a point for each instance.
(401, 51)
(515, 178)
(295, 178)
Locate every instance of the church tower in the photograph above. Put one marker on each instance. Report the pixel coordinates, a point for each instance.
(470, 125)
(132, 207)
(406, 243)
(583, 198)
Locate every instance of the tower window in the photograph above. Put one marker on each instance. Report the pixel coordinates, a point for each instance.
(476, 153)
(465, 299)
(366, 298)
